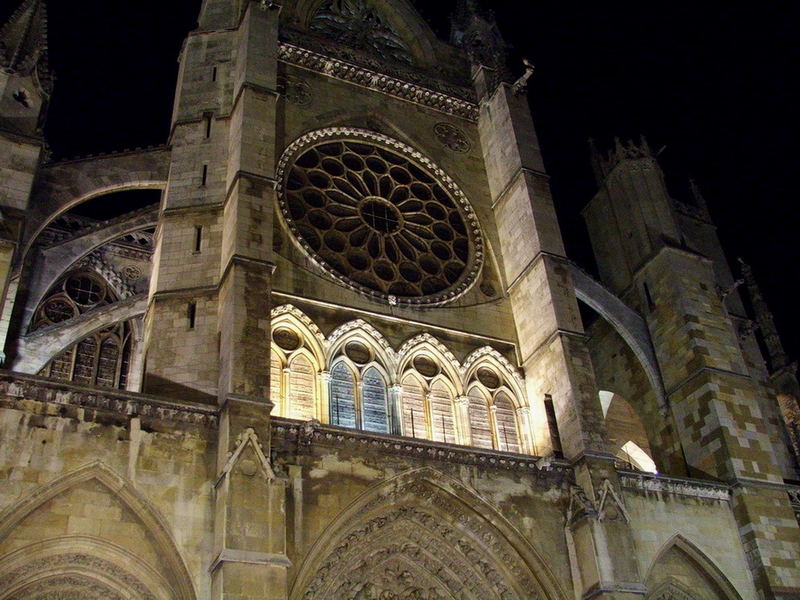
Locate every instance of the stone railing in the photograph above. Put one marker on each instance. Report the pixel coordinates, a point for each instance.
(649, 482)
(17, 389)
(297, 436)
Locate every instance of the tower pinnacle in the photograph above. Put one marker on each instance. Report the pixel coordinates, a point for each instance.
(23, 39)
(766, 323)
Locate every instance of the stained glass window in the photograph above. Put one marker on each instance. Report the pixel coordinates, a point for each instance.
(374, 405)
(507, 436)
(342, 396)
(413, 409)
(479, 424)
(442, 422)
(301, 388)
(275, 377)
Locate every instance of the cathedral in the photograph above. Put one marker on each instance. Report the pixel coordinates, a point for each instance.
(341, 357)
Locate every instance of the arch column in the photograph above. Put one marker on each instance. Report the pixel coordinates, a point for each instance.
(396, 409)
(523, 414)
(462, 420)
(323, 402)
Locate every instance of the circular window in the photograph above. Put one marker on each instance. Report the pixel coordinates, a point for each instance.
(425, 366)
(57, 310)
(358, 353)
(286, 339)
(85, 289)
(379, 216)
(488, 378)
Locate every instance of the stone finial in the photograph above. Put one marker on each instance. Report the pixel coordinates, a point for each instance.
(475, 30)
(766, 323)
(23, 40)
(603, 164)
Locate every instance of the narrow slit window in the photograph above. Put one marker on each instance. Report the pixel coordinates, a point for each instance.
(214, 74)
(205, 175)
(191, 314)
(650, 304)
(207, 119)
(552, 424)
(198, 238)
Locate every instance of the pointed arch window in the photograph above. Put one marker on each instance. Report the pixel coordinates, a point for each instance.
(414, 417)
(275, 382)
(343, 396)
(375, 401)
(506, 423)
(301, 396)
(101, 359)
(441, 413)
(480, 426)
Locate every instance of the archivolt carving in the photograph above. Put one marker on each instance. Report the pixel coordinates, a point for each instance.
(157, 528)
(412, 538)
(343, 332)
(64, 576)
(426, 339)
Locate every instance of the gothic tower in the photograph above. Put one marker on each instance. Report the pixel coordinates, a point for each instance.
(342, 356)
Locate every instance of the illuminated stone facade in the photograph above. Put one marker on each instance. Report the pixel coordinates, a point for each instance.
(343, 357)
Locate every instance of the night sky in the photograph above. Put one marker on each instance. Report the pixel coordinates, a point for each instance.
(712, 85)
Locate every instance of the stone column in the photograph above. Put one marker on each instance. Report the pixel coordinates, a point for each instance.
(396, 409)
(324, 405)
(462, 420)
(525, 439)
(250, 519)
(551, 338)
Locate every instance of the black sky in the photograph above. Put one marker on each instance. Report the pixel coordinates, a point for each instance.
(716, 86)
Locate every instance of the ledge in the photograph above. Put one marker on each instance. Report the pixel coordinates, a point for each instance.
(697, 488)
(290, 434)
(16, 388)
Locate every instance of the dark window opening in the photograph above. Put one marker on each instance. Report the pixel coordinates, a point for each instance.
(191, 314)
(205, 175)
(198, 237)
(552, 424)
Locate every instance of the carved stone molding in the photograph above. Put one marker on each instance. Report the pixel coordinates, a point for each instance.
(416, 540)
(373, 80)
(16, 389)
(289, 309)
(67, 573)
(291, 435)
(680, 487)
(452, 137)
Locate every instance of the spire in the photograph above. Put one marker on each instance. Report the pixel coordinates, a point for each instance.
(766, 323)
(23, 39)
(475, 30)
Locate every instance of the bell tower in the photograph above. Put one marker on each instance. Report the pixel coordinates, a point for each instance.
(663, 258)
(25, 88)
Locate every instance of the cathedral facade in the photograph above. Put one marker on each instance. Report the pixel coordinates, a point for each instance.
(343, 357)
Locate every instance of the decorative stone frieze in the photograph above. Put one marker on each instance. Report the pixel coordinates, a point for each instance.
(16, 389)
(373, 80)
(287, 434)
(669, 485)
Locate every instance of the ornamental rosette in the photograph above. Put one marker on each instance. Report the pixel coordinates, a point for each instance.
(379, 217)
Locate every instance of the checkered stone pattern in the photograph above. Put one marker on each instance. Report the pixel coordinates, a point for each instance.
(771, 538)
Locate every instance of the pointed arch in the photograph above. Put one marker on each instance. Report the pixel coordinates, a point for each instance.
(441, 398)
(480, 426)
(698, 559)
(122, 489)
(296, 320)
(425, 343)
(490, 357)
(465, 529)
(89, 566)
(361, 331)
(342, 395)
(412, 409)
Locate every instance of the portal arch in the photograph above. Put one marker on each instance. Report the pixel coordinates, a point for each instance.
(423, 535)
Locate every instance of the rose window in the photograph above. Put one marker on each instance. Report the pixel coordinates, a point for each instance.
(380, 217)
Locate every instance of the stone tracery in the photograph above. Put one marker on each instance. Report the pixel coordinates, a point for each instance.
(379, 217)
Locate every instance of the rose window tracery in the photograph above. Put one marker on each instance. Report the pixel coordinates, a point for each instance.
(379, 216)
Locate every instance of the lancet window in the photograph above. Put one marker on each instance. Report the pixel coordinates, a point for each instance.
(428, 402)
(294, 371)
(493, 419)
(358, 390)
(102, 359)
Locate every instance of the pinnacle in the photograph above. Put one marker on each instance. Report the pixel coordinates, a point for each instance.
(23, 39)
